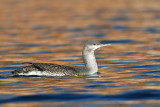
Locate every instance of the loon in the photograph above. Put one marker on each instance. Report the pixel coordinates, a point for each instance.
(49, 69)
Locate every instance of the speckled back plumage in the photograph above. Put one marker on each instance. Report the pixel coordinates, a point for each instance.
(49, 68)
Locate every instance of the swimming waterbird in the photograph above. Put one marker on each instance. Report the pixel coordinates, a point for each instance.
(49, 69)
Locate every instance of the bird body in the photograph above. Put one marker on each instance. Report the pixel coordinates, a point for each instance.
(49, 69)
(46, 69)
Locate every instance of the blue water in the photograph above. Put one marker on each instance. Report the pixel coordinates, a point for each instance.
(129, 70)
(132, 95)
(92, 84)
(84, 89)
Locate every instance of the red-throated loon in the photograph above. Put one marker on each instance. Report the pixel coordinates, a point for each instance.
(49, 69)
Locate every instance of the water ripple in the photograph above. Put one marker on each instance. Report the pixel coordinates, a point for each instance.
(120, 41)
(145, 94)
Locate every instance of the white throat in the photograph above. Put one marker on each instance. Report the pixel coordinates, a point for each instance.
(90, 61)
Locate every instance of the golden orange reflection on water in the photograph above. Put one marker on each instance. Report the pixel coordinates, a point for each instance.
(47, 23)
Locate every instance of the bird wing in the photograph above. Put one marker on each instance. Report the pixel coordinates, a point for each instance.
(52, 67)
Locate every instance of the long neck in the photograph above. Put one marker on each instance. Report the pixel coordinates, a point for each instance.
(90, 61)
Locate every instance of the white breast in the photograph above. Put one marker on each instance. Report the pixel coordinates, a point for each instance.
(41, 73)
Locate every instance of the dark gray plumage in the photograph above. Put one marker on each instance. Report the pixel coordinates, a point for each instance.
(48, 69)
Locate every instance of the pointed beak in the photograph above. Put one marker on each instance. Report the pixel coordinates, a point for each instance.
(105, 45)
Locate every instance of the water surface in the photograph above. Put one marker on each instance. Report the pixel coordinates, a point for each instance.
(129, 69)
